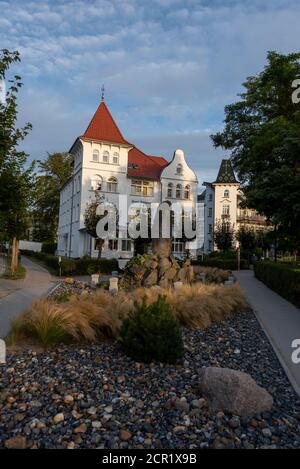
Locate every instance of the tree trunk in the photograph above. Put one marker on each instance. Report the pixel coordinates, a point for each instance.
(100, 246)
(14, 256)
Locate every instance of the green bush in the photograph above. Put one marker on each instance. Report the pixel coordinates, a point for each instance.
(49, 247)
(282, 278)
(222, 255)
(83, 266)
(225, 264)
(68, 266)
(88, 266)
(152, 333)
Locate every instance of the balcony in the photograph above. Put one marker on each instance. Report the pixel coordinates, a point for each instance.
(251, 219)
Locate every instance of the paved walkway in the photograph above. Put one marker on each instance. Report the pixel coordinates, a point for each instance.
(17, 295)
(279, 318)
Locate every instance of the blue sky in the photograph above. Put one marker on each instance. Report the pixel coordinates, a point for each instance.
(169, 66)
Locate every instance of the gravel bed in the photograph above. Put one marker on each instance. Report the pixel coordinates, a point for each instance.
(66, 288)
(96, 397)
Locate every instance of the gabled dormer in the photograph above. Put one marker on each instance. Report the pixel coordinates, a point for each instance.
(178, 180)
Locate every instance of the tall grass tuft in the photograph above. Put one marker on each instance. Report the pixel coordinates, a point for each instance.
(213, 274)
(101, 315)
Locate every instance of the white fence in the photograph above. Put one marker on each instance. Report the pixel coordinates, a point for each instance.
(30, 246)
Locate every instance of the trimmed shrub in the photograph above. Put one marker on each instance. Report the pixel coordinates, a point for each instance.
(68, 266)
(222, 255)
(152, 333)
(83, 266)
(282, 278)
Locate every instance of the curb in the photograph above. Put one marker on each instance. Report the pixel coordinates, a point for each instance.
(281, 360)
(277, 351)
(52, 290)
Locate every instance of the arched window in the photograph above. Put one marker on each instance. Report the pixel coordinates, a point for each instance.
(96, 156)
(105, 157)
(96, 182)
(187, 192)
(116, 158)
(226, 193)
(112, 184)
(178, 191)
(170, 190)
(179, 169)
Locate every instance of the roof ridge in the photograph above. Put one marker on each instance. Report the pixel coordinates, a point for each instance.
(102, 126)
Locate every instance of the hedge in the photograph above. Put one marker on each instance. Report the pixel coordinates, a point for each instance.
(49, 247)
(226, 264)
(281, 278)
(84, 266)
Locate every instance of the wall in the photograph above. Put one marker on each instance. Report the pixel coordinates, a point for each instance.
(30, 245)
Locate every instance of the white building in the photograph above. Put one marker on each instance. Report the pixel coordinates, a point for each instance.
(220, 203)
(107, 163)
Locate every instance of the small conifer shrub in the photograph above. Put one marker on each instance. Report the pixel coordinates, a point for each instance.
(151, 332)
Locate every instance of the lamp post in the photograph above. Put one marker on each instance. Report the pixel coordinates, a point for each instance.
(238, 252)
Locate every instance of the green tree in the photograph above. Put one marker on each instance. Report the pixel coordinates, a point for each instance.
(91, 219)
(15, 174)
(262, 132)
(54, 171)
(223, 236)
(247, 238)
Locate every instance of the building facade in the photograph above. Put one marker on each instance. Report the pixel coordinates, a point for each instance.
(220, 202)
(107, 164)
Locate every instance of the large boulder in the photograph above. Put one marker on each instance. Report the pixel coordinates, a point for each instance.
(155, 269)
(151, 279)
(170, 274)
(163, 266)
(233, 391)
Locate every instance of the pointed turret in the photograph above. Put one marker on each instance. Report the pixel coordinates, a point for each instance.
(103, 127)
(226, 174)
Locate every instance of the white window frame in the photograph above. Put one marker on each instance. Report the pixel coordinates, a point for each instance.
(128, 245)
(187, 192)
(170, 188)
(178, 247)
(104, 156)
(178, 192)
(113, 244)
(112, 184)
(179, 169)
(226, 209)
(116, 157)
(142, 188)
(95, 156)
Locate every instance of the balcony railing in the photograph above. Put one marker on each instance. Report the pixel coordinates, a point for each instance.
(252, 219)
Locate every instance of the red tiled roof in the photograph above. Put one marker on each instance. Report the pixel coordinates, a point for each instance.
(141, 165)
(159, 160)
(103, 127)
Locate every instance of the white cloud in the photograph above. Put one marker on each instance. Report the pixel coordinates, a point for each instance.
(169, 66)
